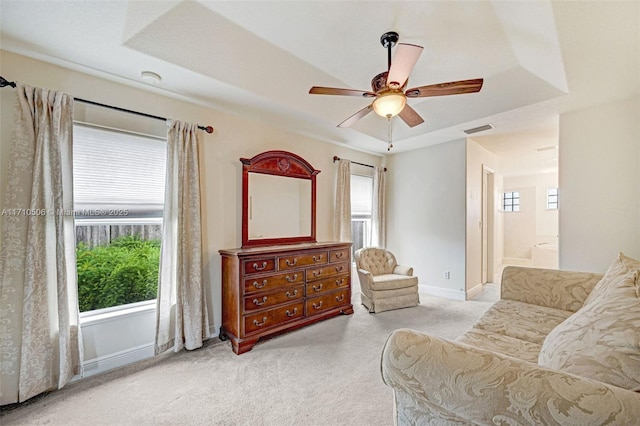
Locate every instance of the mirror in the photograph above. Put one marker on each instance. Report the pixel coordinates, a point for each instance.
(278, 199)
(279, 206)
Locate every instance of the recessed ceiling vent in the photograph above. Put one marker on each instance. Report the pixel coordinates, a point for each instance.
(479, 129)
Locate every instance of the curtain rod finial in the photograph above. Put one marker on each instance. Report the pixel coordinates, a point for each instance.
(4, 82)
(207, 129)
(336, 158)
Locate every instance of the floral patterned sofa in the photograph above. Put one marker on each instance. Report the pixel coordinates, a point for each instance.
(559, 348)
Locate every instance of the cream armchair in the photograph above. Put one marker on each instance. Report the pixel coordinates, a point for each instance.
(385, 285)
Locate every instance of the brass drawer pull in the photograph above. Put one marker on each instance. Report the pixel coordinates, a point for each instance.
(289, 314)
(260, 324)
(318, 306)
(317, 273)
(339, 268)
(259, 268)
(291, 296)
(340, 298)
(290, 263)
(259, 303)
(317, 259)
(289, 279)
(339, 255)
(257, 285)
(340, 282)
(317, 288)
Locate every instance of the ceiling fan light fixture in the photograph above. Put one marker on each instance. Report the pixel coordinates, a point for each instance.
(390, 103)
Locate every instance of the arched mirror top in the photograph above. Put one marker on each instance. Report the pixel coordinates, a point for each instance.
(278, 199)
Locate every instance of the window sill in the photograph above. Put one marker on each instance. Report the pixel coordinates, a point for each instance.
(107, 314)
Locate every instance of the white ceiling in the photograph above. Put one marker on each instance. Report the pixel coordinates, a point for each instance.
(259, 59)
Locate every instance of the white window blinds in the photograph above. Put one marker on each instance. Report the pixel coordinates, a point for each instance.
(116, 172)
(361, 195)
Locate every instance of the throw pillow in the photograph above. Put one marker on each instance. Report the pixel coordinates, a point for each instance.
(621, 266)
(602, 339)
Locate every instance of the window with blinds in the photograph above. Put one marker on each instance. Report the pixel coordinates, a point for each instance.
(118, 184)
(361, 206)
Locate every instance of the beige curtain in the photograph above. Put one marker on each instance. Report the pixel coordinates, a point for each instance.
(378, 208)
(182, 319)
(39, 316)
(342, 219)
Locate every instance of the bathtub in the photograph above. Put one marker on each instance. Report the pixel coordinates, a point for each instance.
(545, 255)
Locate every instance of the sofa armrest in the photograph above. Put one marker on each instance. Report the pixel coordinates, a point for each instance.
(403, 270)
(436, 380)
(566, 290)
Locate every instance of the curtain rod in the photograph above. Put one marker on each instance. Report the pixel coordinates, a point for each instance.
(208, 129)
(336, 158)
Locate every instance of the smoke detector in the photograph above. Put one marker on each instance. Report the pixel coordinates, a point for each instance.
(150, 78)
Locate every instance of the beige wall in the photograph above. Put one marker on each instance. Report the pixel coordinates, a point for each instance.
(600, 185)
(426, 215)
(235, 137)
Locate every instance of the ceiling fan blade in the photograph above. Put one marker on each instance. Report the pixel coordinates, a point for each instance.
(357, 116)
(410, 116)
(316, 90)
(403, 62)
(442, 89)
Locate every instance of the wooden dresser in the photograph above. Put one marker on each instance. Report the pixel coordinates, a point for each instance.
(270, 290)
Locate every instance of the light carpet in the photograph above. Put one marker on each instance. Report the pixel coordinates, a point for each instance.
(324, 374)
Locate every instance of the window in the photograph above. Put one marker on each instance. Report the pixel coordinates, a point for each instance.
(552, 198)
(511, 201)
(361, 206)
(118, 189)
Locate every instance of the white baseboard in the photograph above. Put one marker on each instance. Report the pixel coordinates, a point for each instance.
(442, 292)
(117, 359)
(473, 292)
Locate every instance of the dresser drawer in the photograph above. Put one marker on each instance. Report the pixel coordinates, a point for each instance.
(259, 265)
(270, 282)
(262, 301)
(327, 301)
(302, 259)
(327, 284)
(273, 317)
(327, 271)
(339, 255)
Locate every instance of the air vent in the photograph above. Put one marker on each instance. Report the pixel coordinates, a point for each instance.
(479, 129)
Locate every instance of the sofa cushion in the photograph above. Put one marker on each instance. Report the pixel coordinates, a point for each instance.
(621, 266)
(522, 321)
(393, 281)
(601, 340)
(506, 345)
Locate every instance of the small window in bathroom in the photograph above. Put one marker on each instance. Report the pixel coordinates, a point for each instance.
(511, 201)
(552, 199)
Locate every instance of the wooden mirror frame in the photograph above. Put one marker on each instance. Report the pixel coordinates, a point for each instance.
(278, 163)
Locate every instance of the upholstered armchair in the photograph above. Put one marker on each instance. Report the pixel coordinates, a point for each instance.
(385, 285)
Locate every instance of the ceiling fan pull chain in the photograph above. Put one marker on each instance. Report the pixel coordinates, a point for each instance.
(389, 134)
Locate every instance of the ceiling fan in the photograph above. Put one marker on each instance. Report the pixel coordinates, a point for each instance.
(388, 88)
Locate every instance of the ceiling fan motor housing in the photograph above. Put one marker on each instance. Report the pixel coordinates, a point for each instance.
(379, 83)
